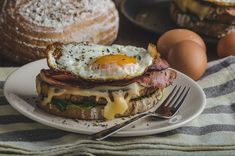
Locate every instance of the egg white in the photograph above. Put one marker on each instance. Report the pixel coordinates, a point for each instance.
(76, 58)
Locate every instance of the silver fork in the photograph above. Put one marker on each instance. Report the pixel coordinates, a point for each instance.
(166, 110)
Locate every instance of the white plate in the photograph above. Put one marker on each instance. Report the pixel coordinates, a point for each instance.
(20, 91)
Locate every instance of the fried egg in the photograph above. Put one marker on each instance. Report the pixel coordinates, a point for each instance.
(99, 62)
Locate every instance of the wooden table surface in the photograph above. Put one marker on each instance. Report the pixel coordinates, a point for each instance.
(130, 34)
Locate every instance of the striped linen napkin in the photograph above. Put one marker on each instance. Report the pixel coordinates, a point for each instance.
(212, 133)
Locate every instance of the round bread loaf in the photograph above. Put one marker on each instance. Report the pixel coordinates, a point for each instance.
(28, 26)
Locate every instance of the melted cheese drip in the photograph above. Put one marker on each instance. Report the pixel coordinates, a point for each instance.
(51, 93)
(193, 6)
(38, 86)
(118, 106)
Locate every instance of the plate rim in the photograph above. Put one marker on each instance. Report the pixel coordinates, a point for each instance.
(119, 134)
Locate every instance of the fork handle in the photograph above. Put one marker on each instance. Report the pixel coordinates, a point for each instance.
(112, 130)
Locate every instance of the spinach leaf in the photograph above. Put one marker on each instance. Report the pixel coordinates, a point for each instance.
(62, 104)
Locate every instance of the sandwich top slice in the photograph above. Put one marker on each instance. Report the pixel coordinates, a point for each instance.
(228, 3)
(100, 89)
(210, 17)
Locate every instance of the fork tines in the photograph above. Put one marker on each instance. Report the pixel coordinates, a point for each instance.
(176, 97)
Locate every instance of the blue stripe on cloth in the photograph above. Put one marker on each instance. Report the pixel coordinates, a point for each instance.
(33, 135)
(2, 84)
(198, 131)
(216, 68)
(220, 90)
(3, 101)
(220, 109)
(9, 119)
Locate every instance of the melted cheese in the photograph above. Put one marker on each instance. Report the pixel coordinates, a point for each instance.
(38, 86)
(119, 104)
(194, 7)
(50, 94)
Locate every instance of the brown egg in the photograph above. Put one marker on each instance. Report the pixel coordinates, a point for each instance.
(189, 58)
(172, 37)
(226, 45)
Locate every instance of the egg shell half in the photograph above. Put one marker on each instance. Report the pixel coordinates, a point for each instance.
(172, 37)
(189, 58)
(226, 45)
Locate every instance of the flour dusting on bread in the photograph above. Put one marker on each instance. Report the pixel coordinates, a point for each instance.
(27, 27)
(60, 13)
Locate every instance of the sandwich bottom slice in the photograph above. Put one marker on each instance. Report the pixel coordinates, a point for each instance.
(98, 102)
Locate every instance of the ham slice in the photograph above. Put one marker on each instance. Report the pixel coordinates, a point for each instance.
(157, 76)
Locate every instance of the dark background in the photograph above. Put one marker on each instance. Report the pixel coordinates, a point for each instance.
(130, 34)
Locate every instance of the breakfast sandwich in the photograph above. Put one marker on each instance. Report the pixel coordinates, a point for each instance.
(89, 81)
(214, 18)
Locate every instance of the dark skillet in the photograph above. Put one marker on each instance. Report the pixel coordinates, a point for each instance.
(152, 15)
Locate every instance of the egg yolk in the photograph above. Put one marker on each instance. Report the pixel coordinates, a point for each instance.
(106, 61)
